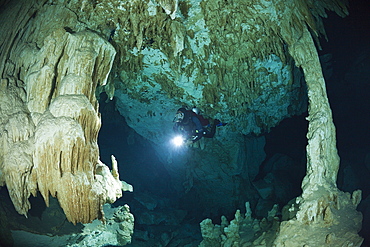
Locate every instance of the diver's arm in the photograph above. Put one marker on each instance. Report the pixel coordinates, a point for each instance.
(175, 128)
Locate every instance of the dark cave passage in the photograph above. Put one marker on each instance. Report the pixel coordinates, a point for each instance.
(288, 142)
(347, 86)
(140, 166)
(135, 155)
(154, 202)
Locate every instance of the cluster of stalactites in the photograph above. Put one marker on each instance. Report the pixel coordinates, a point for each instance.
(239, 33)
(49, 113)
(310, 13)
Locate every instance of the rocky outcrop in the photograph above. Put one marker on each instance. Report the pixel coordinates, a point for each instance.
(117, 230)
(241, 231)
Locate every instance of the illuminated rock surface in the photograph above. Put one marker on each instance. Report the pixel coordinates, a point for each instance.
(50, 119)
(238, 61)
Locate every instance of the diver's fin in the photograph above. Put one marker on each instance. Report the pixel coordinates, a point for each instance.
(219, 123)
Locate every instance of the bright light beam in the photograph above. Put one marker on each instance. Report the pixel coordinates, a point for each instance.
(178, 141)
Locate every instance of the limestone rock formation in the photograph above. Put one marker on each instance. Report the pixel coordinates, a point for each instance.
(241, 231)
(117, 230)
(49, 117)
(321, 206)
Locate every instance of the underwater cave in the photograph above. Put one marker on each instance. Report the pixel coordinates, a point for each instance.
(106, 78)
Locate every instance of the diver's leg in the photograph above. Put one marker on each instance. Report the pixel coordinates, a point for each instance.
(212, 132)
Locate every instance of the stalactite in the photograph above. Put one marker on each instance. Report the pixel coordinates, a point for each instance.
(49, 120)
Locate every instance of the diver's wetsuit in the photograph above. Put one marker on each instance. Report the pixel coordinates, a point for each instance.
(211, 134)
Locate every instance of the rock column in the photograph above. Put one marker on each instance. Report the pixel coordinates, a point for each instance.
(326, 216)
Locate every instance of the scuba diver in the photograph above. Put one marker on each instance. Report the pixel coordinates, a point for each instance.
(192, 126)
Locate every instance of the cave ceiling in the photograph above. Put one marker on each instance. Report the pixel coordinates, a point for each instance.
(228, 58)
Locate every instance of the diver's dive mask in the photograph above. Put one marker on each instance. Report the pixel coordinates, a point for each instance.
(178, 117)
